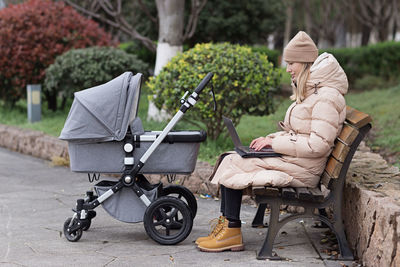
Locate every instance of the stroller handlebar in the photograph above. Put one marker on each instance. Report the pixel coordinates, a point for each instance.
(203, 83)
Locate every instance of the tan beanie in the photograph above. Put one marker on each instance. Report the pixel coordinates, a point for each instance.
(300, 49)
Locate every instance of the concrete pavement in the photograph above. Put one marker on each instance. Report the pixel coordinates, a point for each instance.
(36, 198)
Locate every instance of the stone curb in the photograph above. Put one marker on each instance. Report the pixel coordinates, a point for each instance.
(371, 206)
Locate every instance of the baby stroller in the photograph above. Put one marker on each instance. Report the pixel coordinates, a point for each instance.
(105, 135)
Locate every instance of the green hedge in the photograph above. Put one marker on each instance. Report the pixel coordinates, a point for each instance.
(379, 60)
(84, 68)
(273, 55)
(143, 53)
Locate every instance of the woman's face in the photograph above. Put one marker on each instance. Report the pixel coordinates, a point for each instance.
(294, 69)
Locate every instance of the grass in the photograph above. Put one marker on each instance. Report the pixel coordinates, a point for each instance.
(381, 104)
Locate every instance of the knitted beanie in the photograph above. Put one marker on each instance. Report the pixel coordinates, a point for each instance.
(300, 49)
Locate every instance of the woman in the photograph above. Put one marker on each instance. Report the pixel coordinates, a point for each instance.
(310, 127)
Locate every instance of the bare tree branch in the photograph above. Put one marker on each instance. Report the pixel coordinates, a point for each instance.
(117, 20)
(144, 8)
(196, 7)
(108, 8)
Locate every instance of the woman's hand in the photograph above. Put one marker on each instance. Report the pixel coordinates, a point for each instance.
(260, 143)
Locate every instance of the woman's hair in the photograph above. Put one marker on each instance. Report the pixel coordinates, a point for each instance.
(299, 91)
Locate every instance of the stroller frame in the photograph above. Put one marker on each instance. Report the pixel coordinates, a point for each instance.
(84, 212)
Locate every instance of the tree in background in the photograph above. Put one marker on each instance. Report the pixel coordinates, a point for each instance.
(32, 34)
(170, 19)
(236, 21)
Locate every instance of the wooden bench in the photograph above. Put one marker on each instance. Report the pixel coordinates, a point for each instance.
(356, 126)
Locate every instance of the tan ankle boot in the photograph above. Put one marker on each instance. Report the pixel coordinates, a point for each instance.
(226, 239)
(214, 232)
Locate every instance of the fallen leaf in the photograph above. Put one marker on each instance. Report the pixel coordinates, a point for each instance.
(324, 240)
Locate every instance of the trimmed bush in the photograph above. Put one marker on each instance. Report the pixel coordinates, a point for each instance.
(273, 55)
(379, 60)
(243, 83)
(32, 34)
(140, 51)
(78, 69)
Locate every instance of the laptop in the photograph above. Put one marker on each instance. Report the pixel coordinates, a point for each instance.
(245, 151)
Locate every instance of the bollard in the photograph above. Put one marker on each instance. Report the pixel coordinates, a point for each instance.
(34, 107)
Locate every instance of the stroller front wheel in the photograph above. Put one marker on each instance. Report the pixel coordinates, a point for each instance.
(71, 235)
(168, 220)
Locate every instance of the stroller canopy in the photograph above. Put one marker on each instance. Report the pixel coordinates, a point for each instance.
(103, 113)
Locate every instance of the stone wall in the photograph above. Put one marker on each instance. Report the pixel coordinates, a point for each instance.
(371, 206)
(32, 142)
(372, 209)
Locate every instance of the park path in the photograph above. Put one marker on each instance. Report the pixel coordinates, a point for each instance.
(36, 198)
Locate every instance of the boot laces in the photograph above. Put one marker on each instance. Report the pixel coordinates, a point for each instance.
(216, 225)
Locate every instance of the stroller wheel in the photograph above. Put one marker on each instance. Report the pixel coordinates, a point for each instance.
(91, 215)
(71, 236)
(87, 225)
(168, 220)
(184, 194)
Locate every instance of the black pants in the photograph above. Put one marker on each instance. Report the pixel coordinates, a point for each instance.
(231, 201)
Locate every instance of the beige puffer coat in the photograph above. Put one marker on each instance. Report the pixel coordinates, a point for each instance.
(309, 132)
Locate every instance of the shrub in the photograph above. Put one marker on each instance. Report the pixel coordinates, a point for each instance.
(273, 55)
(380, 60)
(83, 68)
(243, 82)
(32, 34)
(140, 51)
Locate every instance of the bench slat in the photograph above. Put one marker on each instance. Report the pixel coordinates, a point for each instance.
(356, 117)
(317, 195)
(288, 193)
(326, 180)
(266, 191)
(333, 167)
(340, 151)
(348, 134)
(303, 194)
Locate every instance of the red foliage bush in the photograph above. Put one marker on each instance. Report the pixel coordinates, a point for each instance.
(32, 34)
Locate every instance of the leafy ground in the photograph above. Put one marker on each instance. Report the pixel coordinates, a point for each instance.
(382, 105)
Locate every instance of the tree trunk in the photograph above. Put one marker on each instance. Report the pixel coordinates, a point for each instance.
(170, 42)
(170, 31)
(366, 33)
(340, 35)
(51, 99)
(307, 17)
(288, 25)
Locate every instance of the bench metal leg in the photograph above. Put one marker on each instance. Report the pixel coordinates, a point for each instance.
(273, 229)
(338, 228)
(258, 220)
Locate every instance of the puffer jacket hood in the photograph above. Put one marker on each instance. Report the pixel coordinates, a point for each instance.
(326, 72)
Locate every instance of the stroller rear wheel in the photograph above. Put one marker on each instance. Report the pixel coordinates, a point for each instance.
(71, 235)
(168, 220)
(184, 194)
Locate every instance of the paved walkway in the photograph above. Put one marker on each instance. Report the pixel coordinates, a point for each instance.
(36, 198)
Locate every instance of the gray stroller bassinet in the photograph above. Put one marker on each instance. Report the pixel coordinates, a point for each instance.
(98, 123)
(105, 135)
